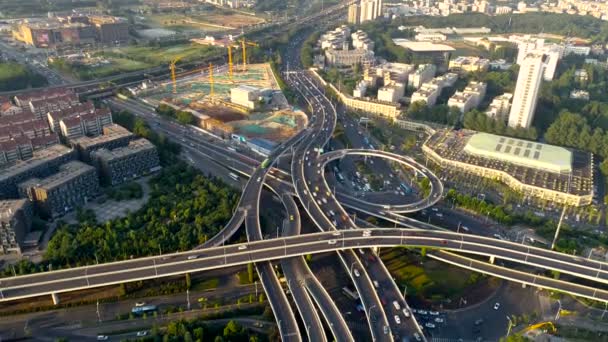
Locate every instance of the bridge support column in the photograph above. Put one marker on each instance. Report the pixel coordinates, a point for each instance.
(55, 297)
(523, 285)
(375, 250)
(492, 259)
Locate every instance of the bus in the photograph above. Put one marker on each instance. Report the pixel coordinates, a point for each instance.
(140, 310)
(350, 293)
(233, 176)
(406, 189)
(265, 163)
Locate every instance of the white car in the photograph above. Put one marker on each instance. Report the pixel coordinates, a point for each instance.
(439, 320)
(396, 305)
(242, 247)
(406, 313)
(417, 336)
(331, 242)
(356, 272)
(102, 337)
(142, 333)
(140, 303)
(496, 306)
(192, 257)
(434, 313)
(430, 325)
(376, 284)
(397, 319)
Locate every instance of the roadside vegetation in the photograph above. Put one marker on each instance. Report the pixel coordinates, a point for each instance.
(184, 210)
(132, 190)
(15, 76)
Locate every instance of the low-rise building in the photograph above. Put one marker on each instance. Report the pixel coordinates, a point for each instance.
(579, 94)
(430, 37)
(477, 91)
(391, 93)
(262, 146)
(113, 136)
(360, 89)
(72, 186)
(427, 93)
(54, 117)
(123, 164)
(463, 101)
(423, 74)
(500, 107)
(349, 57)
(43, 163)
(15, 223)
(245, 95)
(74, 127)
(469, 64)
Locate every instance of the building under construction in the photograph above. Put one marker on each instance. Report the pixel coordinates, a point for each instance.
(261, 110)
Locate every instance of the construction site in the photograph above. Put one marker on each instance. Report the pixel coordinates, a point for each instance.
(243, 100)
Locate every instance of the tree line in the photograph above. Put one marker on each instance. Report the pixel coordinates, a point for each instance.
(184, 210)
(15, 76)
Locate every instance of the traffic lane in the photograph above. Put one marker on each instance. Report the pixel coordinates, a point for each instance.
(377, 319)
(288, 327)
(239, 258)
(415, 238)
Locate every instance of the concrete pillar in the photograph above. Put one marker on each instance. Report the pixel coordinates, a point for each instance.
(375, 249)
(523, 285)
(492, 259)
(55, 297)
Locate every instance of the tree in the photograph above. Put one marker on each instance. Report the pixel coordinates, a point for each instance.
(250, 272)
(199, 333)
(185, 118)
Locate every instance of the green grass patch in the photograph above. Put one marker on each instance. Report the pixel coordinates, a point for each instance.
(207, 284)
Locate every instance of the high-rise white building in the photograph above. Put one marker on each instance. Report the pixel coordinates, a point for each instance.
(528, 45)
(354, 14)
(526, 91)
(370, 10)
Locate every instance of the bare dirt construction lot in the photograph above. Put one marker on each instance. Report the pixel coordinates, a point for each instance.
(232, 19)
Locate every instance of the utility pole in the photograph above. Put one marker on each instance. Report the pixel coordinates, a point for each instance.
(188, 298)
(559, 225)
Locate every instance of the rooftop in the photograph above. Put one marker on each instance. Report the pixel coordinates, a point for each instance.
(422, 46)
(67, 171)
(482, 150)
(521, 152)
(133, 147)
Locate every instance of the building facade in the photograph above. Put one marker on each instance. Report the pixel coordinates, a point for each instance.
(123, 164)
(15, 223)
(526, 91)
(71, 187)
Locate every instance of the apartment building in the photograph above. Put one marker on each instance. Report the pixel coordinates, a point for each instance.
(43, 163)
(428, 93)
(72, 186)
(54, 117)
(114, 136)
(349, 57)
(526, 91)
(15, 224)
(423, 74)
(123, 164)
(500, 107)
(85, 125)
(354, 14)
(469, 64)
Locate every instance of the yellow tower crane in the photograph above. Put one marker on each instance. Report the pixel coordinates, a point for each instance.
(244, 44)
(230, 61)
(172, 68)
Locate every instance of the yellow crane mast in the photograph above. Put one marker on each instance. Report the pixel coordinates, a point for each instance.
(230, 61)
(172, 68)
(244, 44)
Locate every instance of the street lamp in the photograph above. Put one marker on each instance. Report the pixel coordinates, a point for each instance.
(510, 326)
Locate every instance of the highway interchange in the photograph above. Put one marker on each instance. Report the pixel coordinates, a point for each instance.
(303, 178)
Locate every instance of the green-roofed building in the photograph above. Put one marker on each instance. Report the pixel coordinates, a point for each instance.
(520, 152)
(534, 169)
